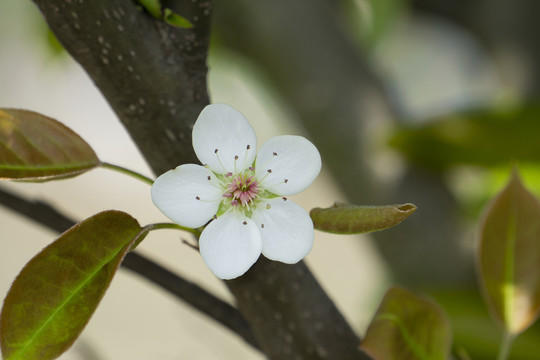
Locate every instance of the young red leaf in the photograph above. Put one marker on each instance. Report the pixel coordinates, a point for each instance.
(34, 147)
(509, 257)
(408, 327)
(56, 293)
(356, 219)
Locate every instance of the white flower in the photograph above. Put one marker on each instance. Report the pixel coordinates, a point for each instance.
(244, 194)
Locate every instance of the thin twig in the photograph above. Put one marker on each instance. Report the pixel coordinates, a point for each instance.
(184, 290)
(193, 246)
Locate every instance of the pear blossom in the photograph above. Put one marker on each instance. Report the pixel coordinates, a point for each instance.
(243, 193)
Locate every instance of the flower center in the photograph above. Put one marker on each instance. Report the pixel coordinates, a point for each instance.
(242, 190)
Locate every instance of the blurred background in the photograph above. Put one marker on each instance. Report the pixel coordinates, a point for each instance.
(429, 102)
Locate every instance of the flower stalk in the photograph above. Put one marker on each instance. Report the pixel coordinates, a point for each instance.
(125, 171)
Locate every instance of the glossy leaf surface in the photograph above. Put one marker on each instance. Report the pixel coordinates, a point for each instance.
(56, 293)
(408, 327)
(487, 137)
(509, 257)
(34, 147)
(355, 219)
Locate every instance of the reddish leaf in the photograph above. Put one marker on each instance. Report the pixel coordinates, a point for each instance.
(408, 327)
(56, 293)
(34, 147)
(509, 257)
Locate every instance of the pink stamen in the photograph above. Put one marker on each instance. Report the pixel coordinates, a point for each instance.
(243, 190)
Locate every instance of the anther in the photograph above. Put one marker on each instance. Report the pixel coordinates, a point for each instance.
(228, 174)
(209, 178)
(248, 147)
(198, 198)
(215, 151)
(284, 198)
(286, 180)
(215, 217)
(262, 225)
(245, 223)
(251, 168)
(269, 171)
(275, 153)
(268, 206)
(235, 157)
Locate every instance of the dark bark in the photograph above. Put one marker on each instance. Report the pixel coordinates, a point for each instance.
(152, 74)
(158, 99)
(290, 314)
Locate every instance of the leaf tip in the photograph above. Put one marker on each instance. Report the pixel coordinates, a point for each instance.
(407, 208)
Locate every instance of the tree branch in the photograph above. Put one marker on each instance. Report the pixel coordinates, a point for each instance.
(184, 290)
(152, 74)
(158, 99)
(193, 295)
(291, 315)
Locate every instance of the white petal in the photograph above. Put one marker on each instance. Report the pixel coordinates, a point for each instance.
(186, 195)
(223, 139)
(286, 229)
(230, 244)
(287, 164)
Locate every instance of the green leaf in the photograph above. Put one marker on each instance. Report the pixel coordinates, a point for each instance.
(34, 147)
(56, 293)
(153, 7)
(486, 138)
(509, 257)
(355, 219)
(408, 327)
(174, 19)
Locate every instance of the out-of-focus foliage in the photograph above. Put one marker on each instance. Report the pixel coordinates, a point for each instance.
(370, 20)
(475, 333)
(34, 147)
(408, 327)
(355, 219)
(509, 257)
(56, 293)
(488, 137)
